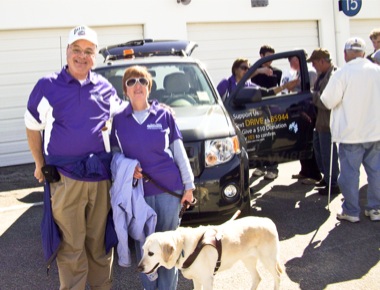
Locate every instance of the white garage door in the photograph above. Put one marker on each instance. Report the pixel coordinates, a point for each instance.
(362, 29)
(26, 56)
(221, 43)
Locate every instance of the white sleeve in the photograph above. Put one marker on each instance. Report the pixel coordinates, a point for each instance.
(183, 163)
(44, 113)
(333, 93)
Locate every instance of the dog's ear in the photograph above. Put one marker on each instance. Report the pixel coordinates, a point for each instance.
(171, 249)
(167, 252)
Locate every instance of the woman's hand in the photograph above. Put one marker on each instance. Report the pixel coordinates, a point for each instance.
(137, 173)
(187, 197)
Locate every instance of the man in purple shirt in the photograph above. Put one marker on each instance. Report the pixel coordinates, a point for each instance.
(70, 108)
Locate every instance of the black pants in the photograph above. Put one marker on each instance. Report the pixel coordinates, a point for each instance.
(309, 168)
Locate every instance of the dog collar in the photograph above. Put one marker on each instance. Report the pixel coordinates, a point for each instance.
(182, 254)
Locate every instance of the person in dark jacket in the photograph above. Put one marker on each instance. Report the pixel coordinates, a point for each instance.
(267, 80)
(320, 58)
(310, 172)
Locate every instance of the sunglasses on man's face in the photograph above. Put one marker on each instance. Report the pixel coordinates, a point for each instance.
(244, 67)
(133, 81)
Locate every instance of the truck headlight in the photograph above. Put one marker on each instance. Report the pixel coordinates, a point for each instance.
(219, 151)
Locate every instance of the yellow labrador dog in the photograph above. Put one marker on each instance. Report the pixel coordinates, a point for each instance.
(200, 252)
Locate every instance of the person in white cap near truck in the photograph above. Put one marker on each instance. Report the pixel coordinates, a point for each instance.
(353, 95)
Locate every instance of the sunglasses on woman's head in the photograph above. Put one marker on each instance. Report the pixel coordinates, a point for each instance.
(133, 81)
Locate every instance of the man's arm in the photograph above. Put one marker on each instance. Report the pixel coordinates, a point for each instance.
(333, 93)
(35, 145)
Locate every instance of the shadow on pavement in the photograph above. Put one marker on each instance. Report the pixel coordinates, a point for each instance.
(292, 210)
(348, 252)
(17, 177)
(23, 265)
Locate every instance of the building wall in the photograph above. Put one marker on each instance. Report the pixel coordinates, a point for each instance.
(33, 35)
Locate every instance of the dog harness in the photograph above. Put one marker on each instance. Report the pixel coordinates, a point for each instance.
(212, 238)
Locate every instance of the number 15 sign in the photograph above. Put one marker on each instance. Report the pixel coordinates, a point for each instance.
(350, 7)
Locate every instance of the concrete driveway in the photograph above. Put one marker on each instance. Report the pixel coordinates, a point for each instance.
(317, 250)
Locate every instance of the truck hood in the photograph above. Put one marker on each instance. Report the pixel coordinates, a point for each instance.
(203, 122)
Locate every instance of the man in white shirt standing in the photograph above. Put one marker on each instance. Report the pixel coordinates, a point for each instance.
(353, 95)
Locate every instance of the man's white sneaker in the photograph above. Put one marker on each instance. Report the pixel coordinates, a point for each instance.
(374, 214)
(258, 172)
(343, 216)
(270, 176)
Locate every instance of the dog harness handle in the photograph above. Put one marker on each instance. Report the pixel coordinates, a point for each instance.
(211, 239)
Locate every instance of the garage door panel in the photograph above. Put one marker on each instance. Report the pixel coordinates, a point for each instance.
(18, 146)
(14, 96)
(29, 45)
(20, 157)
(119, 34)
(14, 101)
(12, 113)
(12, 130)
(14, 63)
(24, 40)
(47, 64)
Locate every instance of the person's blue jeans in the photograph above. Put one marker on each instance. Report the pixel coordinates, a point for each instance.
(351, 156)
(167, 208)
(322, 151)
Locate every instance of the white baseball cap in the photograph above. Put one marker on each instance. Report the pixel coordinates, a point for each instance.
(83, 32)
(355, 43)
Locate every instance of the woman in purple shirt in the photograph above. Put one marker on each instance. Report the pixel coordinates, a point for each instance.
(239, 68)
(147, 132)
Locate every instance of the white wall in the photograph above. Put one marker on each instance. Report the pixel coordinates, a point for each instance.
(168, 19)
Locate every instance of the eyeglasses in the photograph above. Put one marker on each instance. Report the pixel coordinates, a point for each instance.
(133, 81)
(244, 67)
(79, 52)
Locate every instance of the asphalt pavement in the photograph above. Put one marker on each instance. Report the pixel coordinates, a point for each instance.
(317, 250)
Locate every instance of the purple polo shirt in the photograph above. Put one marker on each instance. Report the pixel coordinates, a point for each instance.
(230, 84)
(70, 113)
(149, 144)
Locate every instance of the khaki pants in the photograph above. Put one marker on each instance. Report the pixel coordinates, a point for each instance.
(80, 210)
